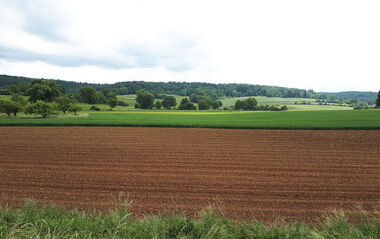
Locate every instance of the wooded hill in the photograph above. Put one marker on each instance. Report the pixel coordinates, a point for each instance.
(10, 83)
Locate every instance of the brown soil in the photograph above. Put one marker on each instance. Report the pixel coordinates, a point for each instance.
(265, 174)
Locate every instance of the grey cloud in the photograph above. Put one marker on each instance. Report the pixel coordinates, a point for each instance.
(10, 54)
(136, 60)
(40, 18)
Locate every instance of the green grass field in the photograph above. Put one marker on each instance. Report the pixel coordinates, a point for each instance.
(130, 99)
(333, 119)
(266, 100)
(52, 222)
(290, 102)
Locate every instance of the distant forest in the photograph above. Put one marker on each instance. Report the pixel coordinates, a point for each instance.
(10, 84)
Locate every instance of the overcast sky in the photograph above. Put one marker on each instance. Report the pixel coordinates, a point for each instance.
(325, 45)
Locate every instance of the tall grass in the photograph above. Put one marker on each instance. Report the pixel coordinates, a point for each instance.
(33, 221)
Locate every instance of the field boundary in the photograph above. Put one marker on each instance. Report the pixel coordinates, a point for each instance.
(186, 126)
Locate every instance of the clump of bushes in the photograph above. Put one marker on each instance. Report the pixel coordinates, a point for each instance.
(122, 103)
(251, 104)
(94, 108)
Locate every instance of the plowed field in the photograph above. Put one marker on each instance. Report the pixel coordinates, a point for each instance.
(254, 173)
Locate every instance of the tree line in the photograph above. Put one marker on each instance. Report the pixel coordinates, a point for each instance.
(45, 97)
(13, 84)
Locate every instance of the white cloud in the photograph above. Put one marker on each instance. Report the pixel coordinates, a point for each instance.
(321, 45)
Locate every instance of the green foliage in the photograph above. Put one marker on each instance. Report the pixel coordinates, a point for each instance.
(45, 90)
(111, 99)
(248, 104)
(40, 108)
(4, 91)
(202, 105)
(137, 106)
(19, 99)
(361, 105)
(169, 101)
(88, 94)
(64, 103)
(94, 108)
(215, 104)
(360, 95)
(100, 98)
(212, 91)
(158, 105)
(378, 100)
(144, 99)
(74, 108)
(52, 222)
(122, 103)
(10, 107)
(186, 105)
(352, 101)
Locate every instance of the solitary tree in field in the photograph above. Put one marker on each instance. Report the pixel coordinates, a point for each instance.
(40, 108)
(10, 107)
(145, 99)
(74, 108)
(111, 100)
(168, 102)
(202, 105)
(63, 103)
(378, 100)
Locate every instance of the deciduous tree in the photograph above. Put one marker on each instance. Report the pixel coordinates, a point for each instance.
(87, 95)
(45, 90)
(111, 100)
(186, 105)
(41, 108)
(74, 108)
(10, 107)
(63, 103)
(145, 99)
(19, 99)
(169, 101)
(158, 105)
(202, 105)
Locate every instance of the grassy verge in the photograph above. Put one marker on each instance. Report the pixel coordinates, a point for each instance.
(52, 222)
(350, 119)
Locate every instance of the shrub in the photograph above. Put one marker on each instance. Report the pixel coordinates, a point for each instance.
(122, 103)
(158, 105)
(94, 108)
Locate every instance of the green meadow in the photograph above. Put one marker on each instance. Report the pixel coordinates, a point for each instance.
(328, 119)
(311, 104)
(298, 116)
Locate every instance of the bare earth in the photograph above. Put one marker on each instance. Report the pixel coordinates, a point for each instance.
(265, 174)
